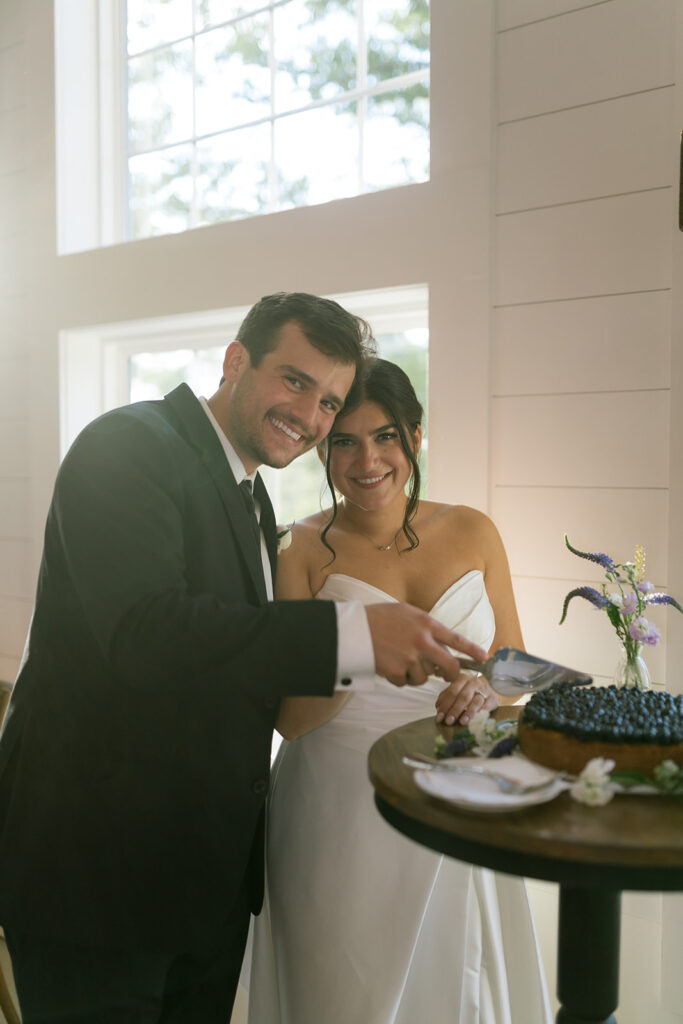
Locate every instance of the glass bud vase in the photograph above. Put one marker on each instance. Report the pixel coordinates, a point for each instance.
(631, 669)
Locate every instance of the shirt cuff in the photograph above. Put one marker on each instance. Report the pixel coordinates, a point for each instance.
(355, 654)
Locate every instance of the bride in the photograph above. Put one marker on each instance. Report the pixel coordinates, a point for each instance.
(360, 925)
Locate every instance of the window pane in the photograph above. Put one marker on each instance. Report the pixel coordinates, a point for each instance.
(160, 192)
(396, 138)
(299, 490)
(315, 51)
(323, 171)
(154, 374)
(217, 12)
(160, 97)
(233, 75)
(398, 37)
(336, 121)
(151, 22)
(233, 174)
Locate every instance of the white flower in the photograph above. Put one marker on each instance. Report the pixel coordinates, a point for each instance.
(284, 538)
(668, 770)
(615, 599)
(594, 786)
(481, 727)
(488, 732)
(597, 771)
(594, 796)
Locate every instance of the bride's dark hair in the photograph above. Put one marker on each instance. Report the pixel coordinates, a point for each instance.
(387, 385)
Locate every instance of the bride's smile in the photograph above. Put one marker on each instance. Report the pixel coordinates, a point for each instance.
(368, 465)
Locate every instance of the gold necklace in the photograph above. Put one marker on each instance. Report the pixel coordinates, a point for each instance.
(381, 547)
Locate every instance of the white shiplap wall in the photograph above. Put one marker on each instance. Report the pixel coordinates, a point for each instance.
(582, 296)
(15, 578)
(581, 358)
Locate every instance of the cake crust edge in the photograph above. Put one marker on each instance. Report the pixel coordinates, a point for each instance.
(568, 754)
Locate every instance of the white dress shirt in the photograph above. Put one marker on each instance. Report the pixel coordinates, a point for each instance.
(355, 657)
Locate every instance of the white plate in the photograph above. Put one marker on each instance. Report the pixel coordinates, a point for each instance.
(477, 793)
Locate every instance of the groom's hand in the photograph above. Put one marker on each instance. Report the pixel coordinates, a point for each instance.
(409, 645)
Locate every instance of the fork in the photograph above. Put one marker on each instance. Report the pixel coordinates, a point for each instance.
(504, 783)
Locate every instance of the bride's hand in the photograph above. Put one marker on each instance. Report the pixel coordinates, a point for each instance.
(463, 698)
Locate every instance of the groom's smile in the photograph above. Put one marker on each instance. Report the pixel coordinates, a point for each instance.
(281, 425)
(283, 406)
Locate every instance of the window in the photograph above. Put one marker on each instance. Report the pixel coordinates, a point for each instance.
(110, 366)
(241, 107)
(180, 113)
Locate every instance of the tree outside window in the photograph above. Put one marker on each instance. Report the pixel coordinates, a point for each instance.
(244, 107)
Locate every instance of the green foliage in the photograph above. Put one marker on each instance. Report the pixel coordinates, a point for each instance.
(404, 106)
(248, 43)
(326, 66)
(399, 44)
(667, 777)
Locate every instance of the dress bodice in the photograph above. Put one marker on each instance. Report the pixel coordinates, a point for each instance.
(464, 607)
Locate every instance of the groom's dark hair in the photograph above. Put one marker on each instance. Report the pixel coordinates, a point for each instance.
(328, 327)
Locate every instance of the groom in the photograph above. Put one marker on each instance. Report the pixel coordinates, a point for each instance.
(134, 757)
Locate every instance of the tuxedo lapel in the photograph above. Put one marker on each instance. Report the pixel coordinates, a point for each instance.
(199, 432)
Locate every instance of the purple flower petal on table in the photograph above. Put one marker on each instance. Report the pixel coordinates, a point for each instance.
(504, 747)
(455, 747)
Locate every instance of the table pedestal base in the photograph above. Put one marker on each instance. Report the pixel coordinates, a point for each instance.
(588, 955)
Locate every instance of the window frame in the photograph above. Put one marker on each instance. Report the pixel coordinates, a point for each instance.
(91, 124)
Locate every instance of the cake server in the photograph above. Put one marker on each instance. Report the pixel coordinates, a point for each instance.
(512, 672)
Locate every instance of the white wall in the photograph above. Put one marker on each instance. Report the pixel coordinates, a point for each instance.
(581, 345)
(583, 430)
(16, 581)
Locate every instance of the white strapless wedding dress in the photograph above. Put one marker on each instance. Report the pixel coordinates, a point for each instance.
(360, 925)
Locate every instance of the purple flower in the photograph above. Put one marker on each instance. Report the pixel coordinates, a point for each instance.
(645, 587)
(663, 599)
(456, 746)
(604, 560)
(629, 604)
(597, 599)
(504, 747)
(644, 632)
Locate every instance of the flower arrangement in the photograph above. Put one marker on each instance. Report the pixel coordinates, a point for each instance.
(625, 607)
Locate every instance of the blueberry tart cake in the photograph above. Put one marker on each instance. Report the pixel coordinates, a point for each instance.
(565, 726)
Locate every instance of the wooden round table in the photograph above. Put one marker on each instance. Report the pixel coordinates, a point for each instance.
(634, 842)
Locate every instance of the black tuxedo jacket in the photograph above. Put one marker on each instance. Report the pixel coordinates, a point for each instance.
(134, 759)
